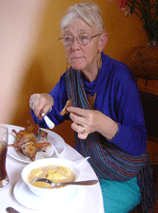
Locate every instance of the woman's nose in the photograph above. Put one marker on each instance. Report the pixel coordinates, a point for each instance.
(75, 44)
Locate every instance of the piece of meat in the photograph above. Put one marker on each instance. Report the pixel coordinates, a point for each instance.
(64, 111)
(26, 142)
(42, 146)
(29, 149)
(22, 140)
(33, 129)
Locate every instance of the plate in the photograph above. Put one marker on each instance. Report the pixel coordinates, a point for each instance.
(56, 141)
(27, 198)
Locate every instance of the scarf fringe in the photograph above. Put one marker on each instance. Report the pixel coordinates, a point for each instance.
(147, 188)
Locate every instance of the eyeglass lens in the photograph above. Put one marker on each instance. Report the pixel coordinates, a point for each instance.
(82, 39)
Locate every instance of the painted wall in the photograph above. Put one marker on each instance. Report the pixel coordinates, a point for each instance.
(32, 59)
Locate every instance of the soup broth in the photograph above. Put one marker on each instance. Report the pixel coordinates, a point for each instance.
(55, 173)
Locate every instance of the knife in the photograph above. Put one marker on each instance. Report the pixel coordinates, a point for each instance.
(11, 210)
(49, 123)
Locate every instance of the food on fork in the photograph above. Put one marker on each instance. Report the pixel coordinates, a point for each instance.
(25, 141)
(64, 111)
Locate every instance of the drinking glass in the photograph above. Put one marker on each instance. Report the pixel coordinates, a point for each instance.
(4, 180)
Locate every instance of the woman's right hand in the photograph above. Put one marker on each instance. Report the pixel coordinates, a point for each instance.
(41, 103)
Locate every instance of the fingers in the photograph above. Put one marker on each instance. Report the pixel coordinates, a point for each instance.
(78, 111)
(81, 130)
(32, 100)
(79, 118)
(82, 136)
(36, 104)
(84, 121)
(84, 133)
(78, 115)
(84, 129)
(77, 127)
(40, 103)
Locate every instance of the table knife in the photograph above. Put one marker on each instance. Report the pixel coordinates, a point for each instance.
(49, 123)
(11, 210)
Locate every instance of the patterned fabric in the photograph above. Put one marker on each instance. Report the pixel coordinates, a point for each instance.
(108, 160)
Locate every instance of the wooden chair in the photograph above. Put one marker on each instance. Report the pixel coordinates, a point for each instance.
(149, 99)
(146, 73)
(150, 106)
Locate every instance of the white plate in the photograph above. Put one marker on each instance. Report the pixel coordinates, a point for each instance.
(53, 138)
(27, 198)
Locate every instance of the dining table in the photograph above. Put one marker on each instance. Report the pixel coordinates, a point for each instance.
(87, 199)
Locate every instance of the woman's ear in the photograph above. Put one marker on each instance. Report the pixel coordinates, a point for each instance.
(103, 40)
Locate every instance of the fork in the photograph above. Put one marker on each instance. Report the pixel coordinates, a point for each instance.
(39, 131)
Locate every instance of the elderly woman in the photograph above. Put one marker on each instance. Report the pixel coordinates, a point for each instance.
(106, 112)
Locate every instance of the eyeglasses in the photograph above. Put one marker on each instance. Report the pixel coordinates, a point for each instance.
(83, 39)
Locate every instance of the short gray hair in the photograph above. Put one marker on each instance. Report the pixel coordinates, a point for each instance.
(89, 12)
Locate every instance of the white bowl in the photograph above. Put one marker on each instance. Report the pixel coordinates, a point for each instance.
(56, 194)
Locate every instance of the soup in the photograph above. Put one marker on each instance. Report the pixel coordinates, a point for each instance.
(55, 173)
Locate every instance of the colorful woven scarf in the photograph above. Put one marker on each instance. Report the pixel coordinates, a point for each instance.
(108, 161)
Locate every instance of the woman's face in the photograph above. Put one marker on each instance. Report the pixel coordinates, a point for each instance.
(82, 57)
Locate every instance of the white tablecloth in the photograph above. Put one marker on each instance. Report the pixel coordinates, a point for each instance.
(87, 200)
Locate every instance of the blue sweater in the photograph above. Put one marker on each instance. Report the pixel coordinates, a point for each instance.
(117, 97)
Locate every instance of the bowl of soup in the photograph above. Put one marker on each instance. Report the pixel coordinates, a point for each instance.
(57, 170)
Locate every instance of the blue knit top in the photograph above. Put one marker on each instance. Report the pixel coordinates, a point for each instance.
(117, 97)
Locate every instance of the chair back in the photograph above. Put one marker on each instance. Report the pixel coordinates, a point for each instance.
(150, 107)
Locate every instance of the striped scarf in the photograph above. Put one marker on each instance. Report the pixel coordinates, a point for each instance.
(108, 161)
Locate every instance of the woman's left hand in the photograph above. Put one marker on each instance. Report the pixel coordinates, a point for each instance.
(84, 121)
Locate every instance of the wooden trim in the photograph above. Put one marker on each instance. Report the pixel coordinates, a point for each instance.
(151, 138)
(148, 89)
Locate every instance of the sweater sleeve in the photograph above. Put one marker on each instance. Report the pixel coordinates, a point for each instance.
(128, 112)
(60, 97)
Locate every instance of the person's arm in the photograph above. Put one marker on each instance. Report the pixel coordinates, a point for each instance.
(52, 109)
(120, 118)
(132, 134)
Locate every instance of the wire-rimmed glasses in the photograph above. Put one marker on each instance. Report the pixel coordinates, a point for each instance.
(83, 39)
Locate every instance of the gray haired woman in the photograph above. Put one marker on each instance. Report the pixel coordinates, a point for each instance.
(106, 112)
